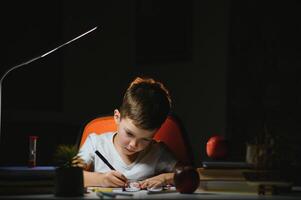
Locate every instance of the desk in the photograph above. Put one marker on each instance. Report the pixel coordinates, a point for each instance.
(143, 195)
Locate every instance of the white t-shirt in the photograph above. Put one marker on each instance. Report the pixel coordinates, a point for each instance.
(154, 160)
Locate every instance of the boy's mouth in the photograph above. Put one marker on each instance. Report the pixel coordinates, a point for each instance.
(130, 150)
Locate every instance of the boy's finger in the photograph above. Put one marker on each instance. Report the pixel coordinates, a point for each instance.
(120, 176)
(118, 182)
(155, 185)
(123, 177)
(78, 161)
(144, 185)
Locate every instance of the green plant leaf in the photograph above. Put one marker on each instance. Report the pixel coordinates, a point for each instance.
(65, 154)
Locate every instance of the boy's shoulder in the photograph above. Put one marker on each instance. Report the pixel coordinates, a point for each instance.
(101, 137)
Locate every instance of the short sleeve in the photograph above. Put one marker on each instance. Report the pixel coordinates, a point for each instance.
(167, 160)
(86, 152)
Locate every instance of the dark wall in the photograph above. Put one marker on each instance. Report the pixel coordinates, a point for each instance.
(192, 46)
(183, 45)
(264, 75)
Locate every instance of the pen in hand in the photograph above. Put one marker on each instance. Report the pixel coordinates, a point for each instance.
(104, 160)
(107, 163)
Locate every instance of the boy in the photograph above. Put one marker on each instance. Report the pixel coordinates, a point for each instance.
(131, 150)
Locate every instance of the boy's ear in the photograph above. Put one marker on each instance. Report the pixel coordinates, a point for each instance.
(117, 116)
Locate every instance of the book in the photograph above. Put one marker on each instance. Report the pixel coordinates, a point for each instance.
(214, 178)
(226, 165)
(26, 183)
(221, 174)
(25, 180)
(228, 187)
(26, 173)
(242, 181)
(21, 190)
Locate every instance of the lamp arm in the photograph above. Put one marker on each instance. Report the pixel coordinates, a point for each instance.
(32, 60)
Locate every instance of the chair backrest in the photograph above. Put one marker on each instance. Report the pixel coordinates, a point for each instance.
(171, 133)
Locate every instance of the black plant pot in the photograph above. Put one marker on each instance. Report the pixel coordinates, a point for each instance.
(69, 182)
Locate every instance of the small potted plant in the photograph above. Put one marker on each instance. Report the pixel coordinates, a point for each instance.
(69, 172)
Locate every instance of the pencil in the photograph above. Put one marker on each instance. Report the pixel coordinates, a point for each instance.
(104, 160)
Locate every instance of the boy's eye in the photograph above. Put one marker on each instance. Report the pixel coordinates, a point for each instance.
(129, 134)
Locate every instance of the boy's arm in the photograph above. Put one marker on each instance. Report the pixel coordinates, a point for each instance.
(158, 181)
(108, 179)
(92, 179)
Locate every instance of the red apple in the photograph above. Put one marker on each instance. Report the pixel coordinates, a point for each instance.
(216, 147)
(186, 179)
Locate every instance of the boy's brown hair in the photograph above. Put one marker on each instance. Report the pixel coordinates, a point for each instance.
(147, 103)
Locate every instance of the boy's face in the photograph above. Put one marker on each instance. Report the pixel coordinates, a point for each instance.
(131, 139)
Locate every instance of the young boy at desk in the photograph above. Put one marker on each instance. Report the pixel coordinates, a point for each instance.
(131, 150)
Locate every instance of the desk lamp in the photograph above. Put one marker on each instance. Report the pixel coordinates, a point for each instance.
(32, 60)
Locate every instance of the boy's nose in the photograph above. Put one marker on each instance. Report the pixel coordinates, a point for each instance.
(134, 144)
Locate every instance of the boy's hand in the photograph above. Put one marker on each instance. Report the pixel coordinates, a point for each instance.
(78, 162)
(153, 182)
(113, 179)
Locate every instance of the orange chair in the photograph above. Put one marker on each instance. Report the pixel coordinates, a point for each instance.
(171, 133)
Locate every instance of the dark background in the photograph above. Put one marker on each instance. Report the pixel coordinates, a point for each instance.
(231, 67)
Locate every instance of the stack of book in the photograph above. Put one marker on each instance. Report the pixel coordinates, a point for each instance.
(224, 177)
(23, 180)
(236, 177)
